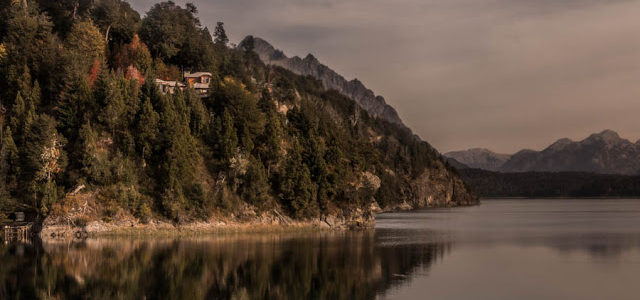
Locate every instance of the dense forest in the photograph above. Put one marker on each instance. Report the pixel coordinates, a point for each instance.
(550, 184)
(83, 120)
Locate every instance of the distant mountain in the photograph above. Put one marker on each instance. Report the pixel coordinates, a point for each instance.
(604, 153)
(456, 164)
(478, 158)
(310, 66)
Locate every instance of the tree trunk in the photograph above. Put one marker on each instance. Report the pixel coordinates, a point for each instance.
(106, 35)
(75, 11)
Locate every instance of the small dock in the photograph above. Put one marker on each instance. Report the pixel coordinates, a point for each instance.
(18, 233)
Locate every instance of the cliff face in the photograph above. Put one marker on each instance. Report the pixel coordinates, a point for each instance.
(310, 66)
(439, 188)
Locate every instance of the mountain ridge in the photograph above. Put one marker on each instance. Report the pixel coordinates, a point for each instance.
(479, 158)
(374, 104)
(603, 153)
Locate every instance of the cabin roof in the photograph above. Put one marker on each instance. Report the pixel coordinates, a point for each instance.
(196, 74)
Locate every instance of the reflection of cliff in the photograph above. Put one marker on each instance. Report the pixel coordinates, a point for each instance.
(309, 266)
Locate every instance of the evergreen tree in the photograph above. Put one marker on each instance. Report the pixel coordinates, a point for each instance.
(255, 187)
(147, 130)
(43, 158)
(227, 137)
(9, 164)
(116, 19)
(297, 190)
(220, 35)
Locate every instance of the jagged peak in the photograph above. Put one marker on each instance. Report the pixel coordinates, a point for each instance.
(310, 65)
(311, 58)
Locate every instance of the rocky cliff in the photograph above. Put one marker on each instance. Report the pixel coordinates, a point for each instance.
(354, 89)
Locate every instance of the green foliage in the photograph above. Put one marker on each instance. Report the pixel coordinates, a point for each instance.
(175, 34)
(86, 41)
(32, 48)
(65, 12)
(297, 191)
(550, 184)
(148, 131)
(225, 138)
(9, 163)
(77, 84)
(255, 188)
(220, 35)
(116, 19)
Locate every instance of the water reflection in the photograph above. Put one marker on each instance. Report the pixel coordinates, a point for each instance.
(578, 249)
(304, 266)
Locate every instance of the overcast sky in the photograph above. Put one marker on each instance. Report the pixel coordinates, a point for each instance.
(498, 74)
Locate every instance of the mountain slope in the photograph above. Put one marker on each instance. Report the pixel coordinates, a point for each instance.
(82, 141)
(603, 152)
(354, 89)
(479, 158)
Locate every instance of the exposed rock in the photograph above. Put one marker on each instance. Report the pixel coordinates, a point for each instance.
(310, 66)
(439, 188)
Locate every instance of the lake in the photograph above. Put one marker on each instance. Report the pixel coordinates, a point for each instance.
(503, 249)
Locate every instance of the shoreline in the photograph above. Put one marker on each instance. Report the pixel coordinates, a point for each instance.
(265, 223)
(156, 228)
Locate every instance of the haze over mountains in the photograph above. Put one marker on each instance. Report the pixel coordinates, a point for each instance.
(478, 158)
(604, 153)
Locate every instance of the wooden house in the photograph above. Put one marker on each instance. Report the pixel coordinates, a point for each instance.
(199, 81)
(169, 87)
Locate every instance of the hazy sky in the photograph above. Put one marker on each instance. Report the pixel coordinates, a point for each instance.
(499, 74)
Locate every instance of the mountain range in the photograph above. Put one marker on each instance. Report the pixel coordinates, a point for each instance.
(603, 153)
(310, 66)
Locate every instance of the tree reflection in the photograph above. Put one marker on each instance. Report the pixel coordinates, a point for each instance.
(349, 265)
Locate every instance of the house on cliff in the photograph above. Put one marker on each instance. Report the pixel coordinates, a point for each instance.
(169, 87)
(199, 81)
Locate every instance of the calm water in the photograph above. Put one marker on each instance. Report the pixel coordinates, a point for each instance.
(503, 249)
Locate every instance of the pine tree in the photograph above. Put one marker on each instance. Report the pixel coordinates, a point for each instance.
(228, 138)
(297, 190)
(220, 35)
(43, 158)
(147, 130)
(9, 164)
(255, 187)
(111, 96)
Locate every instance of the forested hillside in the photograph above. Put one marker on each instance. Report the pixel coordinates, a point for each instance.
(84, 126)
(551, 184)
